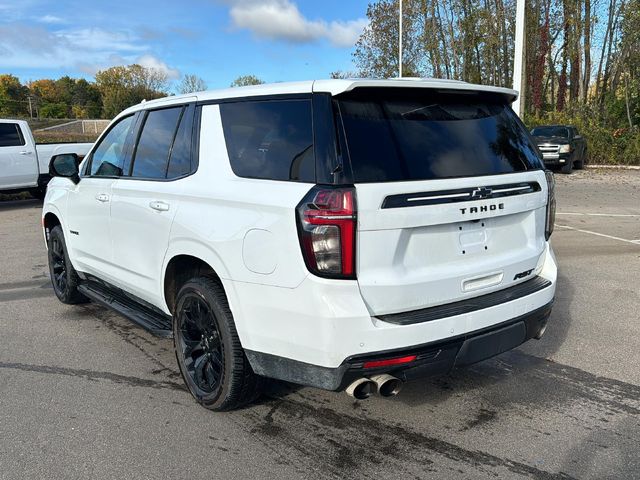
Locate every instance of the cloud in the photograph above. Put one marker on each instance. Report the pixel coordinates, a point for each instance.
(151, 62)
(146, 60)
(51, 19)
(88, 49)
(281, 20)
(96, 39)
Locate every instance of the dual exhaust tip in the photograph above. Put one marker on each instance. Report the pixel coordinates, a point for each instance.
(384, 385)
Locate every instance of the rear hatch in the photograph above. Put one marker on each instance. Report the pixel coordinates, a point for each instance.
(451, 195)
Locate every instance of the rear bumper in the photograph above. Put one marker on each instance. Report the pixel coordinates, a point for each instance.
(432, 358)
(316, 333)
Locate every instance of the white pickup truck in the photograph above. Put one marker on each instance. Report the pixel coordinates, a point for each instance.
(25, 165)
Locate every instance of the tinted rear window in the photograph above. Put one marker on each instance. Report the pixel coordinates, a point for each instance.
(270, 139)
(421, 134)
(10, 135)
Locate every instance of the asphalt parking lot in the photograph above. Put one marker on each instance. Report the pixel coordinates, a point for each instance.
(86, 394)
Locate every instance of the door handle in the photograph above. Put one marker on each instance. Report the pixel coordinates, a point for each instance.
(102, 197)
(25, 152)
(159, 206)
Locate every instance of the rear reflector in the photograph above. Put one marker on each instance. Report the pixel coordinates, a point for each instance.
(389, 362)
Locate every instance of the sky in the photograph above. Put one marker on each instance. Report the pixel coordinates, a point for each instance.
(217, 40)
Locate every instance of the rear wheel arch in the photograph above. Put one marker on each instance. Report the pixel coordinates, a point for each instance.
(179, 270)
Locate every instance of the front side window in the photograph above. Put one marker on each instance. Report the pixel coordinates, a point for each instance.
(10, 135)
(418, 134)
(152, 153)
(270, 139)
(109, 156)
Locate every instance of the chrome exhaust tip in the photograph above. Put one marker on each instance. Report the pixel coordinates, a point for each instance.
(361, 389)
(541, 332)
(387, 385)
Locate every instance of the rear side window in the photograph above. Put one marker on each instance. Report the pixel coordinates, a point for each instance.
(417, 134)
(10, 135)
(152, 153)
(180, 158)
(270, 139)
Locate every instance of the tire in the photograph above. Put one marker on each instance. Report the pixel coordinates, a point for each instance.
(64, 278)
(579, 165)
(567, 168)
(208, 350)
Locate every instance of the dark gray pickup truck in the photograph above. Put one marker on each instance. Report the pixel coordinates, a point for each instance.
(561, 146)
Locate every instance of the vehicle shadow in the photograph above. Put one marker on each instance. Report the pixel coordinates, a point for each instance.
(559, 321)
(503, 370)
(609, 452)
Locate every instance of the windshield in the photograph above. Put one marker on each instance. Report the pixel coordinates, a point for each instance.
(550, 132)
(419, 134)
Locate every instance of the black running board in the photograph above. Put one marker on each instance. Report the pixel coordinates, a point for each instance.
(155, 322)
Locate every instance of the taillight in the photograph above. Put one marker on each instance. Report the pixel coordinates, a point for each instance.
(551, 205)
(327, 229)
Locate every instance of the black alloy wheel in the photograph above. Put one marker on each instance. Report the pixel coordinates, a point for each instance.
(64, 278)
(200, 345)
(58, 266)
(208, 349)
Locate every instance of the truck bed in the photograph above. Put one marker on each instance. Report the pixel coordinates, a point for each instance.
(47, 150)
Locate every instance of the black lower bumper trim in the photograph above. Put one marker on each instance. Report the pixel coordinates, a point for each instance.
(469, 305)
(431, 358)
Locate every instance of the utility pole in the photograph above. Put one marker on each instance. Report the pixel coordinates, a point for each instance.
(30, 109)
(519, 57)
(400, 41)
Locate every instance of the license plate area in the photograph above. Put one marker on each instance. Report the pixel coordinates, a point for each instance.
(473, 236)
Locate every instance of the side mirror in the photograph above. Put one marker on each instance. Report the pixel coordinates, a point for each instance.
(65, 165)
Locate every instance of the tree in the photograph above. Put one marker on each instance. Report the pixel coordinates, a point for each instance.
(54, 110)
(123, 86)
(77, 97)
(192, 83)
(246, 80)
(44, 90)
(629, 63)
(342, 74)
(87, 97)
(13, 97)
(456, 39)
(376, 51)
(473, 40)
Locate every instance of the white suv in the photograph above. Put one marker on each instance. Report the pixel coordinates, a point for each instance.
(344, 234)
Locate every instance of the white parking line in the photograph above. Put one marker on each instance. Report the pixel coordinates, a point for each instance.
(600, 214)
(633, 242)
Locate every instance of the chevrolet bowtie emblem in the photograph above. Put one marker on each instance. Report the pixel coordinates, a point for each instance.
(481, 192)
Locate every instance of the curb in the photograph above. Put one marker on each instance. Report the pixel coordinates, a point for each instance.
(621, 167)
